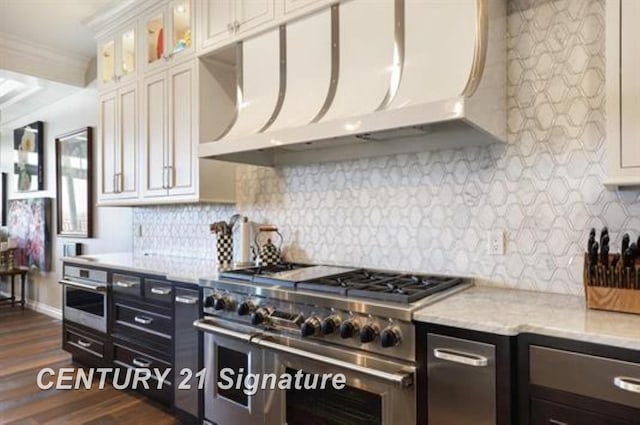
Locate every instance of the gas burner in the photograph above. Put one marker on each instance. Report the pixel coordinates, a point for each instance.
(383, 286)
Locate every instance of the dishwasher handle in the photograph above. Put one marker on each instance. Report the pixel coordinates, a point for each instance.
(460, 357)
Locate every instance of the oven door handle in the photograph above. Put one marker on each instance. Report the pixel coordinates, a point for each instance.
(95, 288)
(207, 326)
(404, 378)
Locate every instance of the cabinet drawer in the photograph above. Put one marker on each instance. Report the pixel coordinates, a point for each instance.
(547, 413)
(127, 285)
(143, 320)
(158, 292)
(127, 357)
(596, 377)
(75, 341)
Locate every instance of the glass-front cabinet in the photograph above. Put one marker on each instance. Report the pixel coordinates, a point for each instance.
(117, 57)
(168, 34)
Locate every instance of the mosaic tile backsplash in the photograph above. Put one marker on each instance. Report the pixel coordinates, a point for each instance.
(432, 211)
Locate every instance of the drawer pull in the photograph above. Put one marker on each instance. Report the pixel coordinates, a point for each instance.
(186, 300)
(460, 357)
(554, 422)
(628, 384)
(141, 362)
(160, 291)
(143, 320)
(83, 343)
(122, 284)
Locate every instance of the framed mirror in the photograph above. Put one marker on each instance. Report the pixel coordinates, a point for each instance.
(74, 176)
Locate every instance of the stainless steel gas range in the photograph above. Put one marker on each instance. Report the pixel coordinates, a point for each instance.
(315, 319)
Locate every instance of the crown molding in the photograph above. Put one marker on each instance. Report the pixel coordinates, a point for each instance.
(26, 57)
(108, 19)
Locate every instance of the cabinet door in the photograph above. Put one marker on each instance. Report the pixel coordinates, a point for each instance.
(187, 347)
(623, 93)
(180, 35)
(630, 86)
(154, 49)
(181, 155)
(107, 63)
(216, 22)
(127, 152)
(108, 143)
(155, 135)
(127, 54)
(251, 13)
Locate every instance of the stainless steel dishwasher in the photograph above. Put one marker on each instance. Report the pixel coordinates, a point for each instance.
(461, 381)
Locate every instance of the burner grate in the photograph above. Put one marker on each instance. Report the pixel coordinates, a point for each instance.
(382, 286)
(253, 274)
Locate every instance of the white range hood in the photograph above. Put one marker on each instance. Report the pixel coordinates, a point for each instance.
(362, 78)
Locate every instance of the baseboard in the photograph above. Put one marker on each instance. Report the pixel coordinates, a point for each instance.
(43, 308)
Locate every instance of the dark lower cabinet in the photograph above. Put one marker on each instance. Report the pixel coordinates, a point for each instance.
(549, 413)
(464, 377)
(150, 325)
(566, 382)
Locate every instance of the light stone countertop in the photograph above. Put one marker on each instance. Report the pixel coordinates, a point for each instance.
(511, 312)
(180, 269)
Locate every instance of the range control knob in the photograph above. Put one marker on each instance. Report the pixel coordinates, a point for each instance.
(210, 301)
(224, 302)
(245, 308)
(349, 328)
(330, 325)
(369, 333)
(259, 316)
(310, 327)
(390, 337)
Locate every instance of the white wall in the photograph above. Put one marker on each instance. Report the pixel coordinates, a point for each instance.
(112, 226)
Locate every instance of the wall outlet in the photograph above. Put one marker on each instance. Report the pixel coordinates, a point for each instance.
(496, 242)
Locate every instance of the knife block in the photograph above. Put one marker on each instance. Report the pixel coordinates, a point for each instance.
(613, 291)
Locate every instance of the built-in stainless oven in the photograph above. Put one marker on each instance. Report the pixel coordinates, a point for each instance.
(378, 391)
(84, 297)
(230, 349)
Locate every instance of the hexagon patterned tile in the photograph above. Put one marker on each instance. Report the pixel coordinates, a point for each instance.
(431, 211)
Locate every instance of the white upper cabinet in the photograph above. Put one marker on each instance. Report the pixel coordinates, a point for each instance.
(118, 144)
(623, 93)
(304, 6)
(223, 21)
(170, 167)
(168, 34)
(118, 57)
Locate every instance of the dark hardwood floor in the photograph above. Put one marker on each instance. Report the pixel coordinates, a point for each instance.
(30, 341)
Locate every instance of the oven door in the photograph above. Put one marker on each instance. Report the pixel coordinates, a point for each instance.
(225, 348)
(377, 392)
(85, 304)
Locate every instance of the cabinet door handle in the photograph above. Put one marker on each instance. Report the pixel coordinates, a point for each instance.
(186, 300)
(160, 291)
(122, 284)
(170, 182)
(627, 384)
(230, 27)
(460, 357)
(554, 422)
(141, 362)
(236, 26)
(143, 320)
(83, 343)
